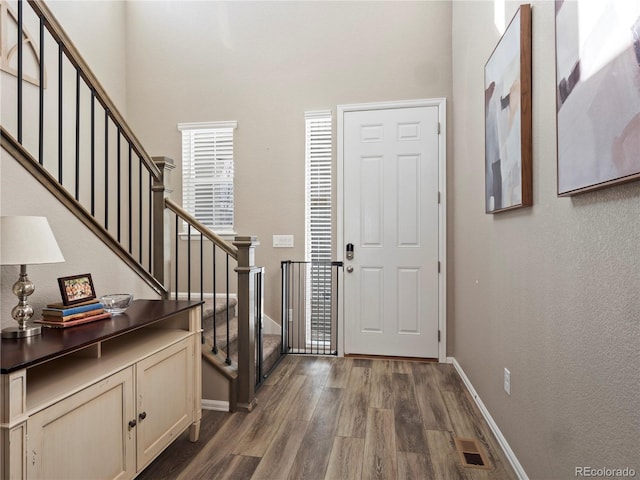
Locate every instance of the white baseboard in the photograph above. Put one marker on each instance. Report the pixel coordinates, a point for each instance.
(217, 405)
(522, 475)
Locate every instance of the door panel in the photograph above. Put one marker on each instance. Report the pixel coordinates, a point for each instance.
(391, 217)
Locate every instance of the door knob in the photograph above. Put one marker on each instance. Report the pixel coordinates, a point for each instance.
(349, 269)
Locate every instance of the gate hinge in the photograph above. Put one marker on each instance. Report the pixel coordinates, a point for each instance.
(438, 336)
(438, 197)
(438, 266)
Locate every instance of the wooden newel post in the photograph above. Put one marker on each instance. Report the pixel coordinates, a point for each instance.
(160, 233)
(246, 323)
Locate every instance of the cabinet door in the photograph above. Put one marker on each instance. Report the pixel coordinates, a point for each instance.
(86, 435)
(164, 383)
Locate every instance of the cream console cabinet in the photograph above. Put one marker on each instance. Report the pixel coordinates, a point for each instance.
(101, 400)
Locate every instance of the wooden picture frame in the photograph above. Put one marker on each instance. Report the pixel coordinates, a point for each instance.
(597, 94)
(507, 100)
(76, 289)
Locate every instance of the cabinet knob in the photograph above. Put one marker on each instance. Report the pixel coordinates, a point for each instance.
(132, 423)
(142, 416)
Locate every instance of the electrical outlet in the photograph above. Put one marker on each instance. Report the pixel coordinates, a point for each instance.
(507, 381)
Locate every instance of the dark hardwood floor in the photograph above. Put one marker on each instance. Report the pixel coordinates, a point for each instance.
(341, 419)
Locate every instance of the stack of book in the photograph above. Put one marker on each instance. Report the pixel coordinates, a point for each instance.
(57, 315)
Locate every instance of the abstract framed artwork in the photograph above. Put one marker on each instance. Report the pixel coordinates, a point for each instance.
(597, 93)
(507, 97)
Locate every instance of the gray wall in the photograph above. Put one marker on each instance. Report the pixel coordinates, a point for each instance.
(264, 64)
(550, 292)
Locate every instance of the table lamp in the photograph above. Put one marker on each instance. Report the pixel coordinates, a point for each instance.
(26, 241)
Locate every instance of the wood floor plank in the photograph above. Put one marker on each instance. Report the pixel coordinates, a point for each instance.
(272, 443)
(353, 415)
(467, 421)
(447, 378)
(263, 424)
(434, 413)
(205, 464)
(380, 461)
(345, 461)
(339, 374)
(381, 385)
(183, 450)
(306, 400)
(401, 366)
(313, 455)
(415, 465)
(408, 420)
(313, 366)
(279, 457)
(282, 371)
(236, 467)
(444, 457)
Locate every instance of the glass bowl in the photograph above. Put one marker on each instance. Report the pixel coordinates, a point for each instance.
(116, 303)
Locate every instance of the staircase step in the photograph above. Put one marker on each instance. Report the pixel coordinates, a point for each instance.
(271, 348)
(271, 343)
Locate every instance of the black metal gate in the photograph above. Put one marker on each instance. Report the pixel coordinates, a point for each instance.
(310, 307)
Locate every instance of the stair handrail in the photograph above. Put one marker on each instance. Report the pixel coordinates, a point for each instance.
(17, 151)
(58, 33)
(228, 248)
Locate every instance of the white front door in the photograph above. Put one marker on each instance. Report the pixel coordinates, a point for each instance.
(390, 216)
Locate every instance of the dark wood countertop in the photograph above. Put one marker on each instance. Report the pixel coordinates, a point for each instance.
(25, 352)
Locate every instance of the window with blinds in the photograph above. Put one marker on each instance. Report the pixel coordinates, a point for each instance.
(207, 173)
(318, 186)
(318, 153)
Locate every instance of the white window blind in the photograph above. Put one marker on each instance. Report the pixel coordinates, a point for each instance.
(207, 173)
(318, 153)
(318, 186)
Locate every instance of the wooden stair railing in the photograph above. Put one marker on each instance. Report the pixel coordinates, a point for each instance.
(69, 168)
(101, 158)
(248, 283)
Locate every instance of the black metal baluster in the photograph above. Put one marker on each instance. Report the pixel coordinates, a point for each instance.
(150, 237)
(106, 169)
(299, 308)
(140, 209)
(202, 287)
(202, 272)
(215, 339)
(93, 152)
(119, 204)
(41, 97)
(177, 241)
(188, 261)
(77, 134)
(60, 106)
(228, 359)
(19, 71)
(131, 201)
(337, 303)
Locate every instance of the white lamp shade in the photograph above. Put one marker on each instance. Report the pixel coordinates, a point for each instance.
(27, 241)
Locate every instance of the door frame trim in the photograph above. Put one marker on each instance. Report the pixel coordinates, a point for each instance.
(441, 103)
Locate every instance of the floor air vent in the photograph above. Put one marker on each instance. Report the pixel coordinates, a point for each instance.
(472, 454)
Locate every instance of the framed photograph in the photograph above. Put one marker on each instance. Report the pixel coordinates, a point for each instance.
(507, 101)
(76, 289)
(597, 93)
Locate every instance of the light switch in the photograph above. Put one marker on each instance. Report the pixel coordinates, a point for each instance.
(283, 241)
